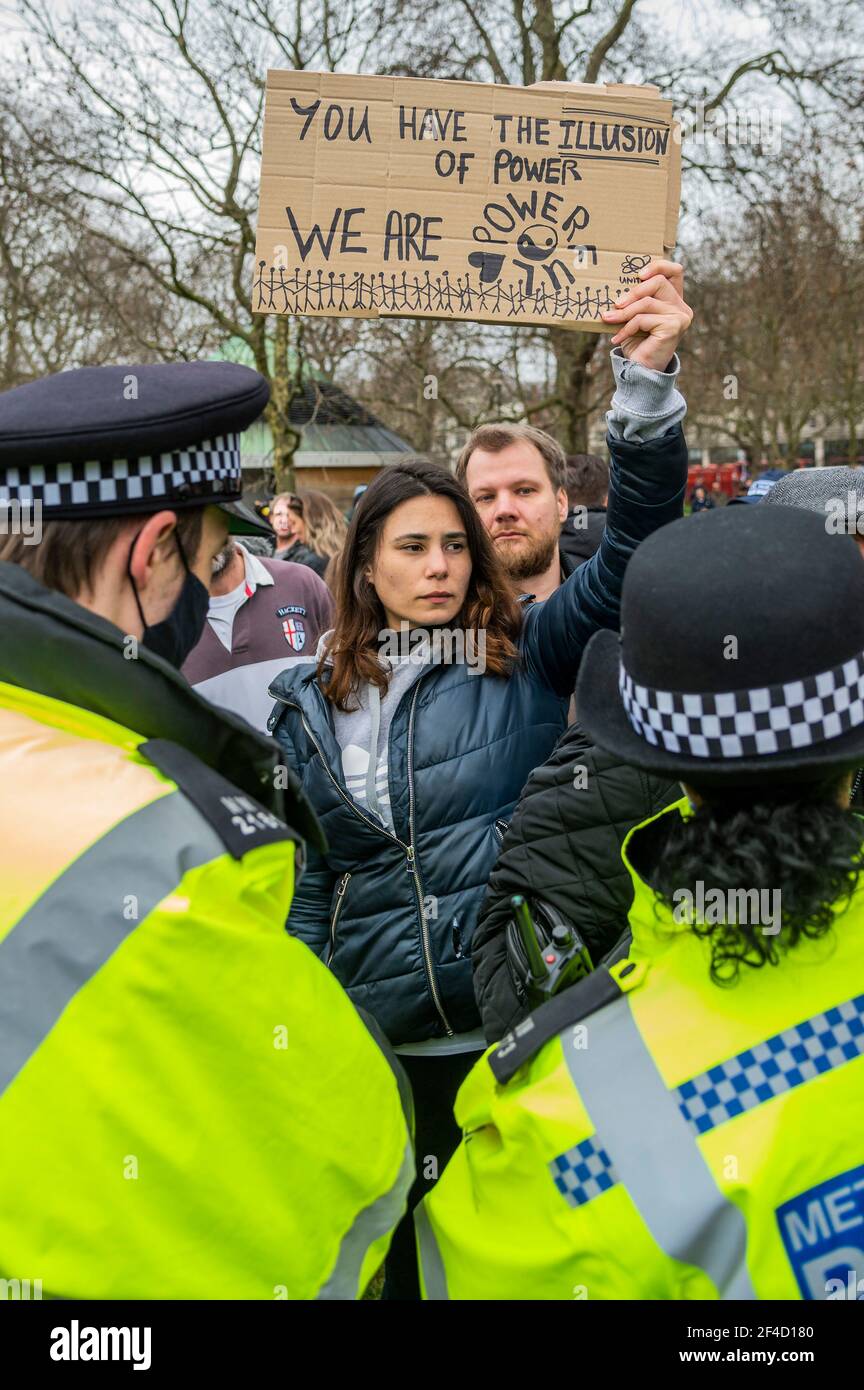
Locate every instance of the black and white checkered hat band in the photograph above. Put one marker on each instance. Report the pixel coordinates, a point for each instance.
(748, 723)
(209, 469)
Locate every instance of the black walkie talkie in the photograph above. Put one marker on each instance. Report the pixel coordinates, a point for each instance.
(545, 951)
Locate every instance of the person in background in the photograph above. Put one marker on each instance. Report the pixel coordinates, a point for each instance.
(700, 501)
(755, 493)
(678, 1125)
(263, 614)
(326, 529)
(587, 494)
(289, 528)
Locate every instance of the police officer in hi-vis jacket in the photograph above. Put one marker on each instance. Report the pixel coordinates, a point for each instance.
(190, 1106)
(688, 1123)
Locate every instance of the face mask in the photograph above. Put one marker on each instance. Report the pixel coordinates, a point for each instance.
(174, 638)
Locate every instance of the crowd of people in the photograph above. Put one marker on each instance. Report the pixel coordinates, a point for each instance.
(493, 858)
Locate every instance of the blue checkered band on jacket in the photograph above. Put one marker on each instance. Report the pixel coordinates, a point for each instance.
(211, 468)
(777, 1065)
(583, 1172)
(744, 723)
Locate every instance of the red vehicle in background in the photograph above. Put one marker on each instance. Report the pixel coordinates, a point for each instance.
(718, 479)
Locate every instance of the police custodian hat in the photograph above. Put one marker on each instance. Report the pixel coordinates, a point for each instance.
(109, 441)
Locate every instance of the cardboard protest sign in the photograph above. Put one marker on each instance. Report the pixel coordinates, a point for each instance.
(422, 198)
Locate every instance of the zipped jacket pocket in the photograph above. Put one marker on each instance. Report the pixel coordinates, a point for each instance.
(500, 827)
(336, 914)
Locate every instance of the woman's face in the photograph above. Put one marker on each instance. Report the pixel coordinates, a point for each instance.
(286, 523)
(422, 568)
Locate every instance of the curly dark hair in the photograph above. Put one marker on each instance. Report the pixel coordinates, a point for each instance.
(796, 839)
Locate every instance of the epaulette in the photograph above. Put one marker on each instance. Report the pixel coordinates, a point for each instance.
(573, 1005)
(240, 821)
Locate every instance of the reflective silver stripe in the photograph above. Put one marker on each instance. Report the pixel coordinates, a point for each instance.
(655, 1154)
(369, 1225)
(431, 1263)
(78, 923)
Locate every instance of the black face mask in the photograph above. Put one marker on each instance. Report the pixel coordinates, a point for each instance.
(174, 638)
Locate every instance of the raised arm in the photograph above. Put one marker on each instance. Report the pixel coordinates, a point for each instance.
(648, 473)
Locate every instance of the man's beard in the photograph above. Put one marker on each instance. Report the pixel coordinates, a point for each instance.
(526, 561)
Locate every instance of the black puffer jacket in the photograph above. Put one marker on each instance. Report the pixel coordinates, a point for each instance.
(300, 554)
(578, 542)
(563, 845)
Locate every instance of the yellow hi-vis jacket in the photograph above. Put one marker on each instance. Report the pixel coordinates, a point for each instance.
(673, 1140)
(190, 1106)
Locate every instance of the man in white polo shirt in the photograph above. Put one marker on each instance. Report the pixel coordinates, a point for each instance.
(264, 615)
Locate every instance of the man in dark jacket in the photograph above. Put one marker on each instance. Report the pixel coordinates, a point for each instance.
(700, 501)
(563, 847)
(300, 554)
(517, 474)
(587, 493)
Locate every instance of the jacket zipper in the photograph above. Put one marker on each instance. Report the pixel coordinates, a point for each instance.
(337, 911)
(413, 866)
(408, 850)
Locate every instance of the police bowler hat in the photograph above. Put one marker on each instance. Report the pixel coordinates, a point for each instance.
(741, 655)
(113, 441)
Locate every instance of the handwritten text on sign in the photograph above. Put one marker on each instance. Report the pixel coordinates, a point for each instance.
(464, 201)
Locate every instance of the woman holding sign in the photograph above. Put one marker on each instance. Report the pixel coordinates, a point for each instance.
(431, 701)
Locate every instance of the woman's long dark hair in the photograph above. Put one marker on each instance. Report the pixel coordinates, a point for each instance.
(489, 605)
(795, 839)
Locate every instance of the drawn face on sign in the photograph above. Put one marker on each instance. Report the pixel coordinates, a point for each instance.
(537, 242)
(537, 233)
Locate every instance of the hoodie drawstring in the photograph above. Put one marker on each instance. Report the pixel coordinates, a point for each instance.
(372, 769)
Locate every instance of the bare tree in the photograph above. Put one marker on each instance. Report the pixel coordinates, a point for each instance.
(139, 125)
(148, 130)
(776, 346)
(55, 279)
(702, 57)
(843, 286)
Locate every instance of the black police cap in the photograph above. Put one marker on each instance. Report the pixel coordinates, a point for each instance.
(109, 441)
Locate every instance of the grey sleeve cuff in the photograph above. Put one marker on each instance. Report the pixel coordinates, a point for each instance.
(646, 402)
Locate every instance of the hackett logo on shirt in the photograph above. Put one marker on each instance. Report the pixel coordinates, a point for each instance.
(295, 633)
(292, 628)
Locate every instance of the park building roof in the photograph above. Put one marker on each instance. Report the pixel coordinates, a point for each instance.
(337, 430)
